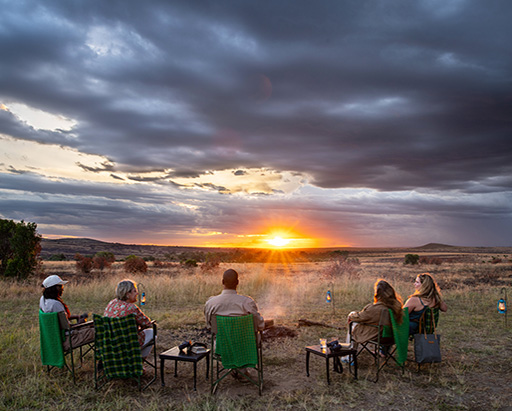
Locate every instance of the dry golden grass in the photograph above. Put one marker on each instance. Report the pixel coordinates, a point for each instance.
(477, 348)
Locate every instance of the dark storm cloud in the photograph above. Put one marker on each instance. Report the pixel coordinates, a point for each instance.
(392, 96)
(389, 96)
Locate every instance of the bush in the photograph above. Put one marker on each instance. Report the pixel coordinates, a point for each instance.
(212, 262)
(412, 259)
(103, 259)
(57, 257)
(20, 245)
(83, 264)
(189, 263)
(134, 264)
(430, 260)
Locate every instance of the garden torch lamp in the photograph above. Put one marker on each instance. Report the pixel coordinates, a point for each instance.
(329, 298)
(142, 294)
(502, 304)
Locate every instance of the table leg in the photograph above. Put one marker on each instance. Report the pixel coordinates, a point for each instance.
(354, 358)
(307, 363)
(327, 369)
(195, 372)
(176, 368)
(207, 365)
(162, 371)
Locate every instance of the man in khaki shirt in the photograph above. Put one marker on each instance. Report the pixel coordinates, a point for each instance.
(230, 303)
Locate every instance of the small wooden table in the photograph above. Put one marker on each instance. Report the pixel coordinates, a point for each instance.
(175, 354)
(335, 355)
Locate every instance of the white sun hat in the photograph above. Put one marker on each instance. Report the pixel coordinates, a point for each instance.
(53, 280)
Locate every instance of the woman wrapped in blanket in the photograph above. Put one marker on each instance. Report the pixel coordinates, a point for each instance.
(123, 305)
(427, 294)
(51, 302)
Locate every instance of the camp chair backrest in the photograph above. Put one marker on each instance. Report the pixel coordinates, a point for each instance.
(51, 338)
(236, 341)
(213, 323)
(237, 345)
(117, 346)
(401, 335)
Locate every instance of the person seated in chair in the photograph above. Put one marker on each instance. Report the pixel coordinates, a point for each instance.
(385, 297)
(230, 303)
(427, 295)
(123, 305)
(51, 302)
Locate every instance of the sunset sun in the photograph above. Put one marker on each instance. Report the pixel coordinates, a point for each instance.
(278, 241)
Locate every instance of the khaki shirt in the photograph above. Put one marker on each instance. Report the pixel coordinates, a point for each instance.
(230, 303)
(368, 315)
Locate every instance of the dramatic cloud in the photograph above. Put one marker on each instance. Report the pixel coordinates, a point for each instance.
(370, 123)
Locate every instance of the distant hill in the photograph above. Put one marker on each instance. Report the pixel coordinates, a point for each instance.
(434, 246)
(88, 247)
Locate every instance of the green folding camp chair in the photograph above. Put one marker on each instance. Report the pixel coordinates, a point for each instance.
(237, 346)
(392, 341)
(118, 353)
(56, 343)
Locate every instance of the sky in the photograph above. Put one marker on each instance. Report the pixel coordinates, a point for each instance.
(228, 123)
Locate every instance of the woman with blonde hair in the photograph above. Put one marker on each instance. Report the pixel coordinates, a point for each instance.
(427, 295)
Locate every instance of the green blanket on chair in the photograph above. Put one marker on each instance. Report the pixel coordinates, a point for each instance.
(51, 337)
(236, 342)
(117, 345)
(401, 336)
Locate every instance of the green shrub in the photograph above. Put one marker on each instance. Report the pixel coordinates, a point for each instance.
(189, 263)
(412, 259)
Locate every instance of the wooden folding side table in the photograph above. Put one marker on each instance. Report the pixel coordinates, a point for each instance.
(335, 355)
(175, 354)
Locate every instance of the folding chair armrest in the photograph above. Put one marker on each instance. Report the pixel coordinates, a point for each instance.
(82, 325)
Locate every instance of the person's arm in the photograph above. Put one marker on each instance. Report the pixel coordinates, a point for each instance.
(443, 307)
(143, 321)
(207, 315)
(366, 315)
(252, 308)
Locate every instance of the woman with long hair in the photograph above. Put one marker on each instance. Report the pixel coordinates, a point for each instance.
(426, 295)
(385, 297)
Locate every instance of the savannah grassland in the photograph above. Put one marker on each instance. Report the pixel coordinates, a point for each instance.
(476, 372)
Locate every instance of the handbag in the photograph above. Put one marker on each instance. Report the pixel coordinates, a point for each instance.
(427, 347)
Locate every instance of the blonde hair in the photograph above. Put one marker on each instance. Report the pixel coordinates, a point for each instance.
(428, 289)
(387, 295)
(123, 288)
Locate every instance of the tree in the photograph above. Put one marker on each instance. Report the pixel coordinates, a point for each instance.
(20, 245)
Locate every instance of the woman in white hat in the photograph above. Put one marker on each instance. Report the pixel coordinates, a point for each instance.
(51, 302)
